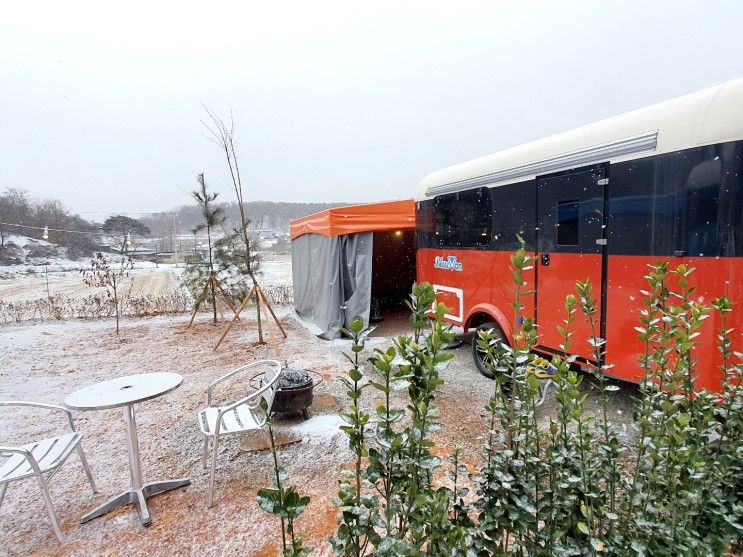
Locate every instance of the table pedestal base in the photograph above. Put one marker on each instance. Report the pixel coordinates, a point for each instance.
(136, 497)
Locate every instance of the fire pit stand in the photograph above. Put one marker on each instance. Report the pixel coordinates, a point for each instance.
(294, 392)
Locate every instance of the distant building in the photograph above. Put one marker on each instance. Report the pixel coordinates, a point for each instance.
(172, 257)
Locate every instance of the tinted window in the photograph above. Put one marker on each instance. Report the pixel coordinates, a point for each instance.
(702, 208)
(730, 215)
(643, 208)
(463, 219)
(514, 212)
(687, 202)
(567, 223)
(425, 223)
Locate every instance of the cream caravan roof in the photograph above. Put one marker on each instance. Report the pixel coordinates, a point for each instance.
(709, 116)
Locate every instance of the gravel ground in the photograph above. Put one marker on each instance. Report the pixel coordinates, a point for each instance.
(46, 361)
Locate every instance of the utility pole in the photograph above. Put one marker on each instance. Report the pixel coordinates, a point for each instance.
(48, 295)
(175, 241)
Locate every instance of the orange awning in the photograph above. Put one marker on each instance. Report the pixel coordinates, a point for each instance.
(388, 215)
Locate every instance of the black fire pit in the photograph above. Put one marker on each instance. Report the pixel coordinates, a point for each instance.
(294, 392)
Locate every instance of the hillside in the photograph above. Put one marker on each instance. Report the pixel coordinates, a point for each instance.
(21, 254)
(263, 214)
(25, 220)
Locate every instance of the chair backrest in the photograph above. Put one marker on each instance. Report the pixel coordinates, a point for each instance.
(10, 411)
(270, 383)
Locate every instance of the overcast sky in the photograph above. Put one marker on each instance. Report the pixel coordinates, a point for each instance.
(334, 101)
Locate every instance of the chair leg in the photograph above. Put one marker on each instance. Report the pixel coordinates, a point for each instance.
(205, 455)
(544, 388)
(210, 499)
(50, 507)
(3, 489)
(84, 460)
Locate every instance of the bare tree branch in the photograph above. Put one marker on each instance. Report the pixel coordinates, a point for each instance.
(224, 136)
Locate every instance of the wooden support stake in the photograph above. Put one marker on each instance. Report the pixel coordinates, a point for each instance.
(225, 296)
(265, 302)
(214, 282)
(198, 304)
(260, 299)
(232, 321)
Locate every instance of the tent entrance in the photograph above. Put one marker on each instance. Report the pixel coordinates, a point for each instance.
(393, 274)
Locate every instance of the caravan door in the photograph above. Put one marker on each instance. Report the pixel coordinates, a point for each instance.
(570, 247)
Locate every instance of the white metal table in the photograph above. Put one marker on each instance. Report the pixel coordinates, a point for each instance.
(127, 391)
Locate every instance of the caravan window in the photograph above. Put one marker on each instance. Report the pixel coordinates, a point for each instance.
(463, 219)
(567, 222)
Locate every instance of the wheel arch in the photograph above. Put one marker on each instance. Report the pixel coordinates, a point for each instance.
(487, 313)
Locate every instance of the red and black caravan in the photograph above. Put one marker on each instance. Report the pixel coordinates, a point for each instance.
(600, 202)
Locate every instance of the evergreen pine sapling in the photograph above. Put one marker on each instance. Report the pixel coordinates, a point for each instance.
(213, 215)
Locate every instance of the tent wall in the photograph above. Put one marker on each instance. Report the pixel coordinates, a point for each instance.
(332, 280)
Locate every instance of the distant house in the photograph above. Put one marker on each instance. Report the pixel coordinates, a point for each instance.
(136, 252)
(105, 247)
(202, 252)
(172, 257)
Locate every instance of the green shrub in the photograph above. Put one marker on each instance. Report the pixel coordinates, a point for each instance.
(571, 488)
(284, 502)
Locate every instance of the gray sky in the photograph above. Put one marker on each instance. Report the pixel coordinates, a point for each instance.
(334, 101)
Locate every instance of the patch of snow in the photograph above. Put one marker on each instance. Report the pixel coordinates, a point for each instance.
(319, 427)
(22, 337)
(309, 325)
(57, 261)
(276, 269)
(24, 241)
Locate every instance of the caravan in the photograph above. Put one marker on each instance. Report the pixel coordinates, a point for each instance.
(599, 202)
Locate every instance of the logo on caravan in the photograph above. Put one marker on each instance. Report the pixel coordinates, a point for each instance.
(449, 263)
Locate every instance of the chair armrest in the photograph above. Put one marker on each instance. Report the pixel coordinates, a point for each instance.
(255, 395)
(4, 450)
(27, 404)
(234, 372)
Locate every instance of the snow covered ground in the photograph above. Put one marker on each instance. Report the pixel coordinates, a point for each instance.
(45, 361)
(276, 269)
(32, 281)
(70, 284)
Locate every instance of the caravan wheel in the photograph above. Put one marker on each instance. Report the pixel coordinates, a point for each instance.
(479, 355)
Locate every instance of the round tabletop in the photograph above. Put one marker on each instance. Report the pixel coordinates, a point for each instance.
(123, 390)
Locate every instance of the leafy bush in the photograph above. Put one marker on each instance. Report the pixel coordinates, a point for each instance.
(284, 502)
(389, 503)
(572, 488)
(102, 274)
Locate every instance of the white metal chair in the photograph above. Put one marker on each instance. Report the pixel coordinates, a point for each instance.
(41, 459)
(248, 413)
